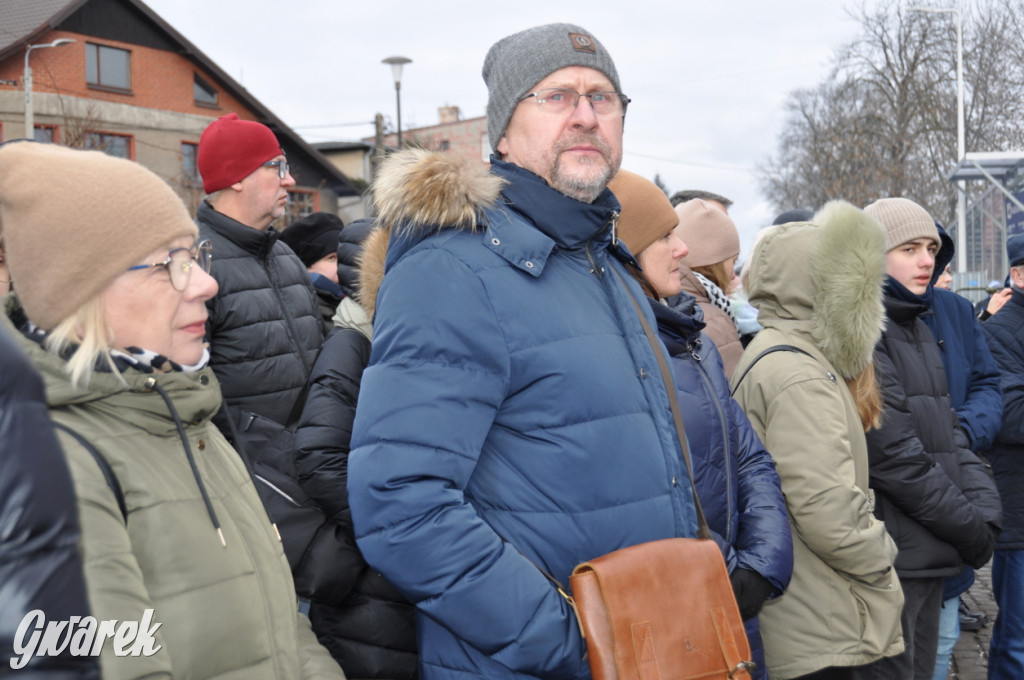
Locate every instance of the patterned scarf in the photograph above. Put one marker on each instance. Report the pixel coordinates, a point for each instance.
(718, 297)
(143, 360)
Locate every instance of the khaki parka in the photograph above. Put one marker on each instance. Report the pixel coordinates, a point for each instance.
(226, 611)
(842, 607)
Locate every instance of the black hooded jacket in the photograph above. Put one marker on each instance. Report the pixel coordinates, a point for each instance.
(367, 626)
(935, 497)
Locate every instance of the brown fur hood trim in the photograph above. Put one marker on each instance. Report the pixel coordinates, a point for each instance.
(371, 268)
(425, 189)
(417, 189)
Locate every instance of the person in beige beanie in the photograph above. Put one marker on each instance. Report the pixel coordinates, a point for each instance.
(708, 272)
(68, 235)
(110, 306)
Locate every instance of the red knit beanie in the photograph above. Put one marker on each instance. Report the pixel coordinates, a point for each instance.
(231, 149)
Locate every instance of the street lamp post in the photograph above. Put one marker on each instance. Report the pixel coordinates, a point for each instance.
(396, 70)
(30, 132)
(961, 143)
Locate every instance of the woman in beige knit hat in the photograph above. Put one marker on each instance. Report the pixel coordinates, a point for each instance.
(110, 305)
(708, 273)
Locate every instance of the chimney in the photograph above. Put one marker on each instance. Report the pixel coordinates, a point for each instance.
(449, 114)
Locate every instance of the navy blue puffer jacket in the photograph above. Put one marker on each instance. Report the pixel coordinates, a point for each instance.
(735, 476)
(511, 394)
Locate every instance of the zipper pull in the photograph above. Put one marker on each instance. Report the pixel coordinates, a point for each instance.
(615, 230)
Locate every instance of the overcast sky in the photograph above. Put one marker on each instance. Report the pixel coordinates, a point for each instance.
(708, 79)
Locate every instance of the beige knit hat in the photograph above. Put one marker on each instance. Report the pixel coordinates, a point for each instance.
(708, 232)
(73, 221)
(646, 214)
(903, 220)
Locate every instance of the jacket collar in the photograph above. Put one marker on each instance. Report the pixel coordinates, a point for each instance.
(677, 328)
(251, 240)
(567, 222)
(901, 305)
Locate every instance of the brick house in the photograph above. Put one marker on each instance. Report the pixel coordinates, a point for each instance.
(453, 134)
(132, 86)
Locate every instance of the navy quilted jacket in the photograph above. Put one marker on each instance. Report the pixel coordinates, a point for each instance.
(512, 416)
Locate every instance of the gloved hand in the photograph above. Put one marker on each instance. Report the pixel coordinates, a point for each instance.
(751, 590)
(980, 552)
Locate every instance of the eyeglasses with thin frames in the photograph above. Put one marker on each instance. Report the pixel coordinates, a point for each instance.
(561, 100)
(282, 167)
(180, 261)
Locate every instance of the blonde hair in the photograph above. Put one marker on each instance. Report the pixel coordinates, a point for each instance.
(719, 274)
(867, 397)
(88, 332)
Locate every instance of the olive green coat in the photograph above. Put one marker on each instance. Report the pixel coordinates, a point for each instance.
(226, 611)
(818, 289)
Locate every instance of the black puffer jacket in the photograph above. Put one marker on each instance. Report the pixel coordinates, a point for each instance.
(350, 248)
(264, 327)
(40, 566)
(1004, 332)
(934, 496)
(371, 631)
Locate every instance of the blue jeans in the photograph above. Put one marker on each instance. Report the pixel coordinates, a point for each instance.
(949, 631)
(1006, 652)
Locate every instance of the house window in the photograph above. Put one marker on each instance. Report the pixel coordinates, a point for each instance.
(203, 93)
(112, 145)
(46, 134)
(108, 67)
(300, 204)
(190, 165)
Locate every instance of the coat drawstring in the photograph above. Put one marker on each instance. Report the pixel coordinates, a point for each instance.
(152, 384)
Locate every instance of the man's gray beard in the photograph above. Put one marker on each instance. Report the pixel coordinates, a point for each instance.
(582, 190)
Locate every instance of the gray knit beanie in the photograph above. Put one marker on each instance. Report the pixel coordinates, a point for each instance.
(518, 62)
(903, 220)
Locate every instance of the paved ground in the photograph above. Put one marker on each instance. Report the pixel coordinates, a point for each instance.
(970, 658)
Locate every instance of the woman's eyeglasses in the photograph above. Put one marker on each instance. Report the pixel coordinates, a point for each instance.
(180, 261)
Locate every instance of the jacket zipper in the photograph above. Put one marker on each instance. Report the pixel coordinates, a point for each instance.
(594, 268)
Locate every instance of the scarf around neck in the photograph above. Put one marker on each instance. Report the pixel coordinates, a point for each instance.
(718, 297)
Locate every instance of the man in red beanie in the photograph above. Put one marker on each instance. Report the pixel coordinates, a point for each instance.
(264, 326)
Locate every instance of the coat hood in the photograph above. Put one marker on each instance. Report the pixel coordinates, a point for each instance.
(415, 192)
(837, 299)
(350, 247)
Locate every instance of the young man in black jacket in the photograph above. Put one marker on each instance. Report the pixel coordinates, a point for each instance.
(935, 496)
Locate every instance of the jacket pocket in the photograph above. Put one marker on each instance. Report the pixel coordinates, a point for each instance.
(878, 611)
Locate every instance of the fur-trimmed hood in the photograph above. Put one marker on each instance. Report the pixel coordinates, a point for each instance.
(837, 299)
(418, 190)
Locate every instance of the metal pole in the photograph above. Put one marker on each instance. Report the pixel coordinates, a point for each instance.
(961, 144)
(398, 104)
(30, 131)
(29, 116)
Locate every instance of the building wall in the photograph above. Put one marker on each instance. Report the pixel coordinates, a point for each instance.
(465, 137)
(160, 112)
(160, 79)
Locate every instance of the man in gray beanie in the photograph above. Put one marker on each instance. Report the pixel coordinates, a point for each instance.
(535, 80)
(512, 415)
